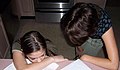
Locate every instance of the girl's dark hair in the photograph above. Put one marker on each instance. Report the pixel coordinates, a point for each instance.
(79, 23)
(32, 41)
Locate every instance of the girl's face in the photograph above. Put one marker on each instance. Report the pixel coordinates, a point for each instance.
(37, 56)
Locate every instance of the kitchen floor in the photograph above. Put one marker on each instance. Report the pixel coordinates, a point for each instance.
(16, 28)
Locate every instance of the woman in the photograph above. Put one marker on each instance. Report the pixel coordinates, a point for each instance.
(88, 26)
(32, 46)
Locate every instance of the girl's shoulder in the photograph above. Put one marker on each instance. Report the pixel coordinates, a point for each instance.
(16, 45)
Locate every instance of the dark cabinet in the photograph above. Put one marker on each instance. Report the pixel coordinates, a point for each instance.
(23, 8)
(4, 43)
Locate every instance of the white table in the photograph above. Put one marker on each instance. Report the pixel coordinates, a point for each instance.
(5, 62)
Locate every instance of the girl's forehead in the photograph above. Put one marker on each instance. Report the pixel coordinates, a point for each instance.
(37, 53)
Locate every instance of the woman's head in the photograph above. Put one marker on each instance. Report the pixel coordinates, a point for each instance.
(33, 45)
(79, 23)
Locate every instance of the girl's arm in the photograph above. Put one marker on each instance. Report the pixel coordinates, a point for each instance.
(21, 64)
(113, 59)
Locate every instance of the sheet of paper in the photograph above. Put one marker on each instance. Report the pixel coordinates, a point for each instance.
(10, 67)
(76, 65)
(52, 66)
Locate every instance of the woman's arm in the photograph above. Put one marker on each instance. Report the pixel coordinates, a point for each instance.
(21, 64)
(113, 59)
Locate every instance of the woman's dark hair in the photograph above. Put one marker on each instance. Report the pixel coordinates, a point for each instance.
(79, 23)
(32, 41)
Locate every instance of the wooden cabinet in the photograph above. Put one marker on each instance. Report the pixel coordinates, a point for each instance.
(23, 8)
(4, 43)
(101, 3)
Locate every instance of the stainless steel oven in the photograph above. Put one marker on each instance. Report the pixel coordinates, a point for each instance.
(51, 10)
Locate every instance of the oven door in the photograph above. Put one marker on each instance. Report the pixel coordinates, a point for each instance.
(51, 10)
(53, 5)
(53, 0)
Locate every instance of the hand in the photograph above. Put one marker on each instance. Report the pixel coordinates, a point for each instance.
(84, 57)
(59, 58)
(79, 51)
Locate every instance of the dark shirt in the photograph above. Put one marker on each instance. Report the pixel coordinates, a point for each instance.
(104, 24)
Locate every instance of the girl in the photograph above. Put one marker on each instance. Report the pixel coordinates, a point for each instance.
(33, 47)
